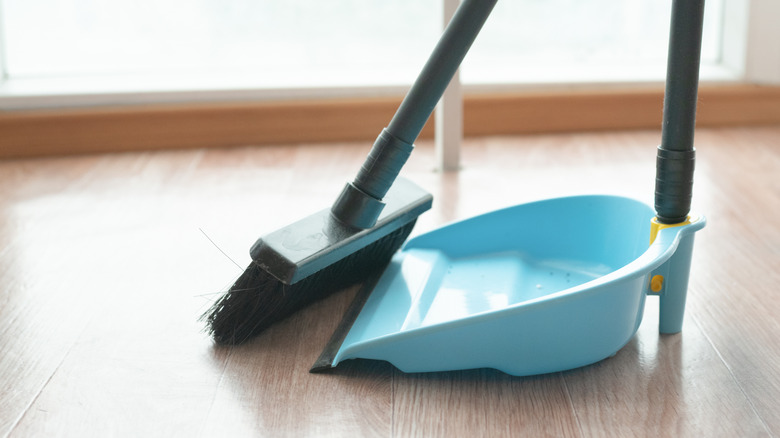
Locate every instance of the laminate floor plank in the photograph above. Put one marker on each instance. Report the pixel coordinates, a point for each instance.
(481, 402)
(106, 262)
(40, 315)
(734, 292)
(654, 387)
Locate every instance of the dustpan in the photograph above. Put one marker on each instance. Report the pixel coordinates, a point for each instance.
(546, 286)
(527, 290)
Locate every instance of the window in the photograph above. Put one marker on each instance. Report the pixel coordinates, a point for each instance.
(262, 48)
(537, 41)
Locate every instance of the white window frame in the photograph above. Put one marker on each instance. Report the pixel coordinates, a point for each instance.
(3, 72)
(750, 36)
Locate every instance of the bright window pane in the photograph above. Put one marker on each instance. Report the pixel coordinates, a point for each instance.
(278, 41)
(552, 40)
(311, 43)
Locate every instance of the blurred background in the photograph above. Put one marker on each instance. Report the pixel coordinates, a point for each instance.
(349, 47)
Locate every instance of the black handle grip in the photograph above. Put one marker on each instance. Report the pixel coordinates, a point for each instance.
(675, 160)
(674, 185)
(360, 203)
(392, 148)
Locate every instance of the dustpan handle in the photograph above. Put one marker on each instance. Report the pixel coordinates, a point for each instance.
(676, 155)
(394, 145)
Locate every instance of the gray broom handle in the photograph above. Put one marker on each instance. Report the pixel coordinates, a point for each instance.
(676, 154)
(394, 145)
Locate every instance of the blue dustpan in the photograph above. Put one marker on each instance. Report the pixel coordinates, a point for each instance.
(545, 286)
(530, 289)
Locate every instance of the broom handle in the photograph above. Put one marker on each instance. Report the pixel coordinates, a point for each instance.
(676, 154)
(394, 145)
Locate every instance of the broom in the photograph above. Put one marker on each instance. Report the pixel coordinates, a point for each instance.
(372, 217)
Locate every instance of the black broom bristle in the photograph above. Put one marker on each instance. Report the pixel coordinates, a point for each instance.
(257, 299)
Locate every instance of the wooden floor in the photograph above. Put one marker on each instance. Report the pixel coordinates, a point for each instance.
(105, 267)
